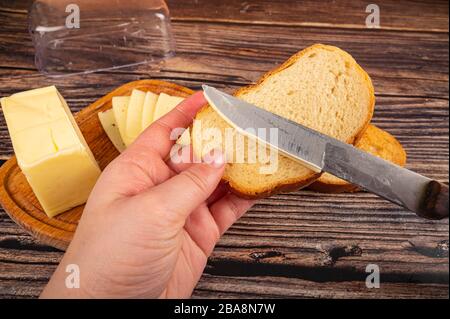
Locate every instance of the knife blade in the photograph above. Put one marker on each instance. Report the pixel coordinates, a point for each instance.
(426, 197)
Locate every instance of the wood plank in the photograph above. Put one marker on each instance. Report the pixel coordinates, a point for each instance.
(299, 238)
(211, 286)
(25, 277)
(219, 287)
(20, 289)
(395, 15)
(403, 63)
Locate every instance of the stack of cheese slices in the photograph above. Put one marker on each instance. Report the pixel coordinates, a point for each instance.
(131, 115)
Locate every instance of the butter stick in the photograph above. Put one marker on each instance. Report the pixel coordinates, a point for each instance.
(50, 149)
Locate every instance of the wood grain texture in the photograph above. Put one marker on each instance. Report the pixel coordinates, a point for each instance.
(300, 245)
(17, 197)
(395, 15)
(400, 63)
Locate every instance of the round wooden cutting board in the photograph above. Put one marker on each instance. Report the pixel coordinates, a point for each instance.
(19, 201)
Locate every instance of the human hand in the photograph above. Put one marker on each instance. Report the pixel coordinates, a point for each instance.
(150, 223)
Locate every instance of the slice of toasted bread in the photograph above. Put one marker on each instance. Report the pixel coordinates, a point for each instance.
(374, 141)
(321, 87)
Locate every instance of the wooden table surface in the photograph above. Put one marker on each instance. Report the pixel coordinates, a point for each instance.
(302, 244)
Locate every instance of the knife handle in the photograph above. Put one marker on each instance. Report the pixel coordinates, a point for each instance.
(435, 201)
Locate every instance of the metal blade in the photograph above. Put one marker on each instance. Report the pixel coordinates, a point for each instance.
(323, 153)
(294, 140)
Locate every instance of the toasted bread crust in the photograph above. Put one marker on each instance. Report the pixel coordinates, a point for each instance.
(326, 188)
(280, 188)
(373, 137)
(296, 184)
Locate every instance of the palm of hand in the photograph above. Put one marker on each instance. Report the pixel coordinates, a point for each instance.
(150, 224)
(176, 250)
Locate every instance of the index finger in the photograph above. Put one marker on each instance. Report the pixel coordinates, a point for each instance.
(157, 136)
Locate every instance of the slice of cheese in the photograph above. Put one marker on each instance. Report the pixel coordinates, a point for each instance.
(50, 149)
(148, 109)
(111, 129)
(134, 116)
(165, 104)
(120, 107)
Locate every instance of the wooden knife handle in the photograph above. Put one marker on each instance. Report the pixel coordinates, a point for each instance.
(435, 201)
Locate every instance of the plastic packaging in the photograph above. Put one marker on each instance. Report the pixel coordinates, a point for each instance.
(86, 36)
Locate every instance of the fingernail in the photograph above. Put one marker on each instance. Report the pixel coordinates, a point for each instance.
(215, 158)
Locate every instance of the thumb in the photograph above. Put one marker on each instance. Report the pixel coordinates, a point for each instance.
(186, 191)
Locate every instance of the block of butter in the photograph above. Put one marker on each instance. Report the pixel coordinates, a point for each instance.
(50, 149)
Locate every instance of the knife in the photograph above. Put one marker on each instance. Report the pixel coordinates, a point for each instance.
(426, 197)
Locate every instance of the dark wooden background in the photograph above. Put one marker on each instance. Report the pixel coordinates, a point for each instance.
(295, 245)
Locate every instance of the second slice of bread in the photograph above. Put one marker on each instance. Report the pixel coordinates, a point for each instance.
(321, 87)
(374, 141)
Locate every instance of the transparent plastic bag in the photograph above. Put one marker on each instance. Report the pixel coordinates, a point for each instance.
(86, 36)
